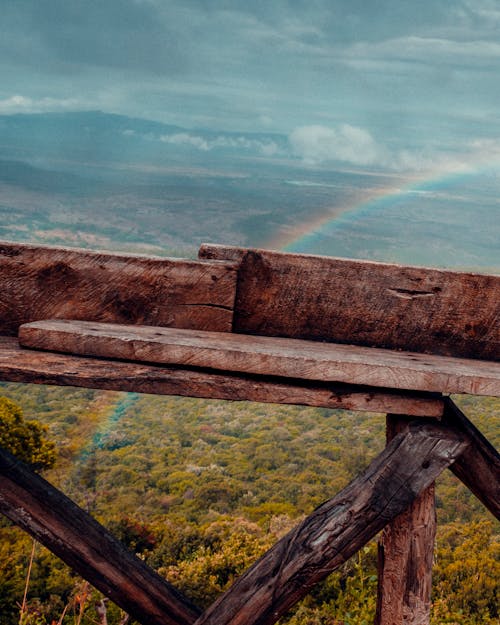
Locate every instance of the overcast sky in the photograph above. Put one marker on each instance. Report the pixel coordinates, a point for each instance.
(415, 83)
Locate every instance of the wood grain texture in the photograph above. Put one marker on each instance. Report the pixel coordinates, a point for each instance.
(292, 358)
(365, 303)
(29, 366)
(88, 548)
(479, 467)
(405, 555)
(41, 282)
(337, 529)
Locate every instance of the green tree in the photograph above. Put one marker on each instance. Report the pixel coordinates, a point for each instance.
(467, 573)
(24, 439)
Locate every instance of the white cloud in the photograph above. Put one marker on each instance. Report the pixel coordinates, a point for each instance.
(317, 144)
(428, 50)
(22, 104)
(266, 120)
(487, 11)
(183, 138)
(266, 148)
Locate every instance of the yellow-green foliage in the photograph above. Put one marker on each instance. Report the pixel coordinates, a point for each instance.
(24, 439)
(467, 574)
(225, 550)
(200, 488)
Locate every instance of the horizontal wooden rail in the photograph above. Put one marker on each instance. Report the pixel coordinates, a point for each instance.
(85, 545)
(39, 282)
(326, 362)
(361, 302)
(36, 367)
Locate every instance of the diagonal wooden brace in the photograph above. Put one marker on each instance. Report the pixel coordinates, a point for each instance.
(85, 545)
(479, 466)
(286, 573)
(406, 546)
(338, 528)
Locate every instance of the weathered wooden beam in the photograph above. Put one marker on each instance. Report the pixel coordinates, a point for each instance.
(86, 546)
(291, 358)
(29, 366)
(215, 251)
(338, 528)
(405, 551)
(365, 303)
(479, 466)
(39, 282)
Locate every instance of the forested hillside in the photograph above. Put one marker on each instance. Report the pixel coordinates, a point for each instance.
(200, 488)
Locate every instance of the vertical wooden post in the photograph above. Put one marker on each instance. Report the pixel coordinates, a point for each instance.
(405, 556)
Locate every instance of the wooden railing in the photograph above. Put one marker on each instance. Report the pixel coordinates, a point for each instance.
(263, 326)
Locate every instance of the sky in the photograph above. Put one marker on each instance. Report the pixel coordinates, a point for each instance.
(402, 85)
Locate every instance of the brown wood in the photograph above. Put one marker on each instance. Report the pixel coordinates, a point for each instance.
(28, 366)
(292, 358)
(213, 251)
(47, 282)
(87, 547)
(365, 303)
(479, 467)
(375, 306)
(406, 551)
(337, 529)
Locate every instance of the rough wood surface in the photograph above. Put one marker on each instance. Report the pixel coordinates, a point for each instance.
(479, 467)
(87, 547)
(365, 303)
(337, 529)
(214, 251)
(291, 358)
(406, 551)
(29, 366)
(44, 282)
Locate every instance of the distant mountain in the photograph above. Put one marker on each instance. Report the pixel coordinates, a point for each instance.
(31, 178)
(97, 180)
(113, 182)
(94, 136)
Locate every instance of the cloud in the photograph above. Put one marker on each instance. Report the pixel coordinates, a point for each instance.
(351, 144)
(264, 147)
(185, 139)
(72, 37)
(22, 104)
(426, 50)
(320, 145)
(221, 64)
(469, 157)
(484, 14)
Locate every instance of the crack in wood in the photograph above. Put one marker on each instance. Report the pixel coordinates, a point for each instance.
(410, 293)
(208, 305)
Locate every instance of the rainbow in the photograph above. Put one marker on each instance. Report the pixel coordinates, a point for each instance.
(112, 408)
(300, 238)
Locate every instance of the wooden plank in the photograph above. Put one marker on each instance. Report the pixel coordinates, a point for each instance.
(87, 547)
(406, 550)
(48, 282)
(292, 358)
(28, 366)
(337, 529)
(479, 467)
(221, 252)
(365, 303)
